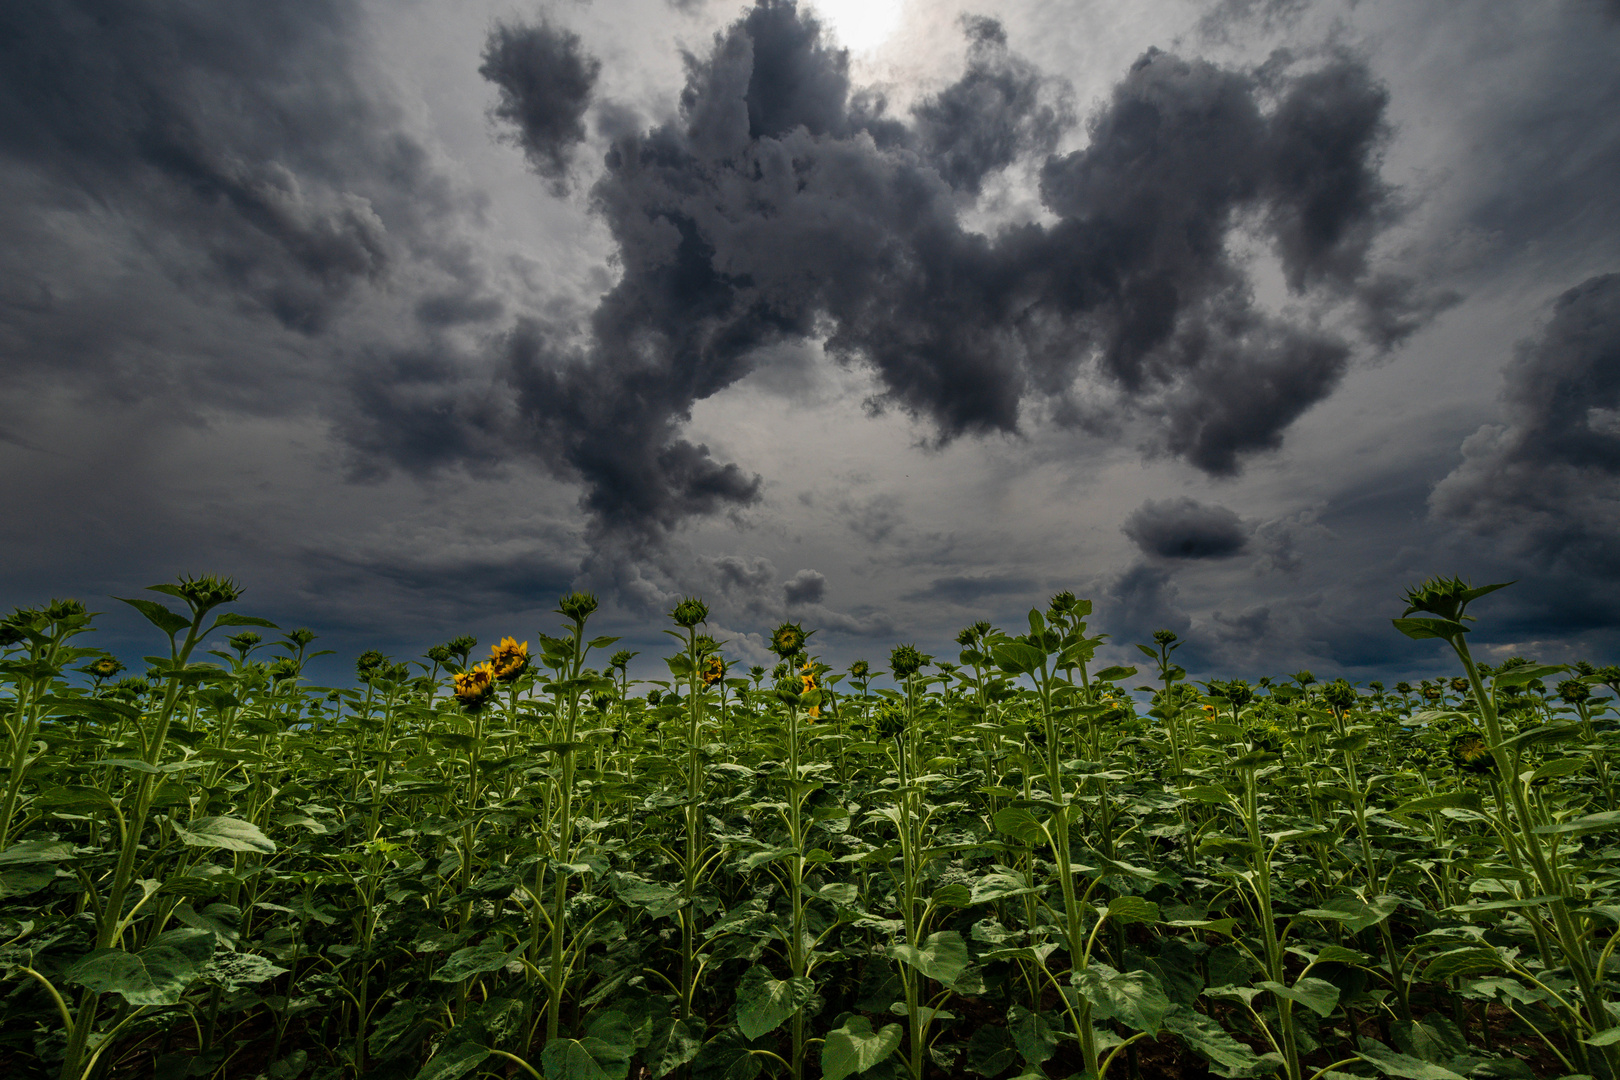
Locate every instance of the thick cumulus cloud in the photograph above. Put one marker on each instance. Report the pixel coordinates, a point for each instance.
(545, 81)
(783, 203)
(1186, 529)
(1547, 480)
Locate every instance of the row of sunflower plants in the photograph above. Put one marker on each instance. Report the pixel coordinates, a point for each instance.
(1006, 864)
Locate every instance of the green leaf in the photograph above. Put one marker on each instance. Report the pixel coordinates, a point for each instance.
(1001, 886)
(1391, 1063)
(1552, 770)
(674, 1042)
(1020, 824)
(1421, 629)
(855, 1047)
(231, 619)
(659, 901)
(1604, 1038)
(1446, 800)
(1133, 997)
(158, 615)
(1133, 909)
(1115, 673)
(953, 895)
(990, 1051)
(234, 970)
(1500, 905)
(763, 1002)
(603, 1054)
(1582, 826)
(725, 1057)
(1471, 960)
(35, 851)
(943, 956)
(455, 1059)
(75, 799)
(1317, 995)
(1032, 1036)
(489, 956)
(228, 833)
(1523, 676)
(1355, 915)
(157, 975)
(1017, 658)
(1205, 1037)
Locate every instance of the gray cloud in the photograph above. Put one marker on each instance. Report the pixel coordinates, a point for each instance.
(804, 587)
(1547, 481)
(969, 589)
(545, 80)
(782, 204)
(1186, 529)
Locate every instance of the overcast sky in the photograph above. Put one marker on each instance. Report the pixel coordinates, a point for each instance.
(885, 316)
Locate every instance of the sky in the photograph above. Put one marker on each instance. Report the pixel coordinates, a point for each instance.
(882, 316)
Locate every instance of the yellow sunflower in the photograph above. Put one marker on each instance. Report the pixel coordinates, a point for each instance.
(475, 687)
(509, 659)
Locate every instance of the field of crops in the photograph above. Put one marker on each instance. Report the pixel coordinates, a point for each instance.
(518, 862)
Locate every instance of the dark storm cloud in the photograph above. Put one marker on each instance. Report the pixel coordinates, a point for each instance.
(235, 128)
(545, 80)
(1186, 529)
(1547, 481)
(1001, 109)
(805, 587)
(966, 590)
(782, 205)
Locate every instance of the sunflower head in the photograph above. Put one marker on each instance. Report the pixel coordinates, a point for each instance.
(1573, 691)
(713, 669)
(475, 687)
(1339, 694)
(106, 667)
(509, 659)
(369, 664)
(788, 640)
(577, 606)
(1470, 753)
(860, 669)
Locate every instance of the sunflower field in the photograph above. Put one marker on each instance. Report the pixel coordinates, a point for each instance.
(1005, 863)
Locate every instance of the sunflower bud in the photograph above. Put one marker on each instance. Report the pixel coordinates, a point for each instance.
(208, 591)
(106, 667)
(577, 606)
(369, 664)
(860, 669)
(690, 612)
(1470, 753)
(1339, 694)
(1573, 691)
(905, 661)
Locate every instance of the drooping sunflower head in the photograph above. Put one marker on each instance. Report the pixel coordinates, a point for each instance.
(475, 687)
(713, 669)
(788, 640)
(1470, 753)
(509, 659)
(1573, 691)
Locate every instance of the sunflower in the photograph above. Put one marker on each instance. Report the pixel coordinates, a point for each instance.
(106, 667)
(712, 670)
(475, 687)
(808, 681)
(788, 640)
(509, 659)
(1470, 753)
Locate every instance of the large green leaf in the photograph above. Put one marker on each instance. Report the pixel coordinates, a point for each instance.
(1020, 824)
(603, 1054)
(763, 1002)
(943, 956)
(1133, 997)
(1032, 1036)
(1391, 1063)
(228, 833)
(725, 1057)
(991, 1051)
(1317, 995)
(1204, 1036)
(157, 975)
(463, 963)
(1355, 914)
(855, 1047)
(1133, 909)
(455, 1059)
(158, 615)
(27, 852)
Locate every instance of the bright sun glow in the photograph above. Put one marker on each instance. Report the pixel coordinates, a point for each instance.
(860, 25)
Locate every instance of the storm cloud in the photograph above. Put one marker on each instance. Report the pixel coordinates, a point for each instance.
(783, 203)
(1186, 529)
(545, 81)
(1546, 481)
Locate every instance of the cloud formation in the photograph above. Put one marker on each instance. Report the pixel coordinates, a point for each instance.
(545, 80)
(1547, 481)
(784, 203)
(1186, 529)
